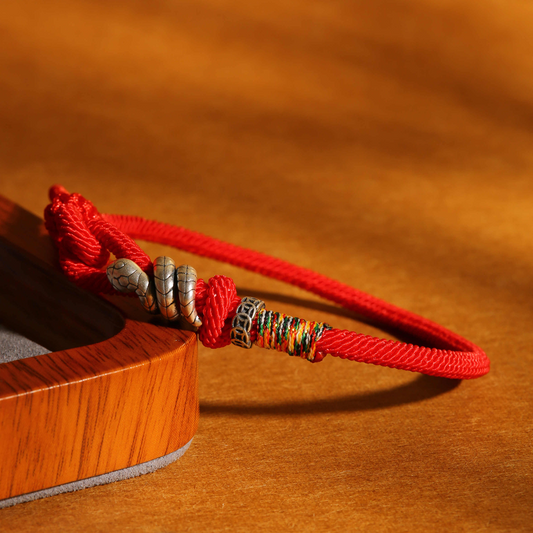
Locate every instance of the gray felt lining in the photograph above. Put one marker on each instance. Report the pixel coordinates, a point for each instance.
(14, 346)
(117, 475)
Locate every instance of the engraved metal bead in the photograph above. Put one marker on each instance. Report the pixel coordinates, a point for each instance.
(187, 278)
(165, 281)
(243, 320)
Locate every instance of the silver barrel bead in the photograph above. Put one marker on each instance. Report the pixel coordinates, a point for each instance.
(165, 281)
(187, 278)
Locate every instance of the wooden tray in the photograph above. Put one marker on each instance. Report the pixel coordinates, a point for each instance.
(115, 393)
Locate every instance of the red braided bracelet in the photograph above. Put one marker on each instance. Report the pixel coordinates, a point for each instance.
(85, 238)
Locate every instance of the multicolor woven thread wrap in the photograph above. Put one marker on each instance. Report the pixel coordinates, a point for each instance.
(295, 336)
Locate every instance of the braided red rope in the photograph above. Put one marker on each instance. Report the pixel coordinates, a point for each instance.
(85, 238)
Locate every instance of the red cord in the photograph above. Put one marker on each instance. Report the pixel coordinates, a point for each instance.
(85, 238)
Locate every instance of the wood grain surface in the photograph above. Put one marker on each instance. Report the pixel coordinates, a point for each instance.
(128, 395)
(388, 144)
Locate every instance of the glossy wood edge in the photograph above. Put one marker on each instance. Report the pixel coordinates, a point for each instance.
(92, 409)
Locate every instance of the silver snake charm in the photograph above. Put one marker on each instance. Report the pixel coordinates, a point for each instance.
(158, 295)
(165, 280)
(187, 279)
(127, 276)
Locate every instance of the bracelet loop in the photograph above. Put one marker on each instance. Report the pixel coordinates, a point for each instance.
(86, 238)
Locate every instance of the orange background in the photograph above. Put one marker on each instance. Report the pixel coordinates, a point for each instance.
(388, 144)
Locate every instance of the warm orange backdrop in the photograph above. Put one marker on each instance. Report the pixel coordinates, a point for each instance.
(386, 143)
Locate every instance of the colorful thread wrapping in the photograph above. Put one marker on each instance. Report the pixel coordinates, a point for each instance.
(295, 336)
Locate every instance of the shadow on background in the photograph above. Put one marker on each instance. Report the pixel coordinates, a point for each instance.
(422, 388)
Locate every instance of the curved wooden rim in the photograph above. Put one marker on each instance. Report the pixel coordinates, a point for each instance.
(123, 392)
